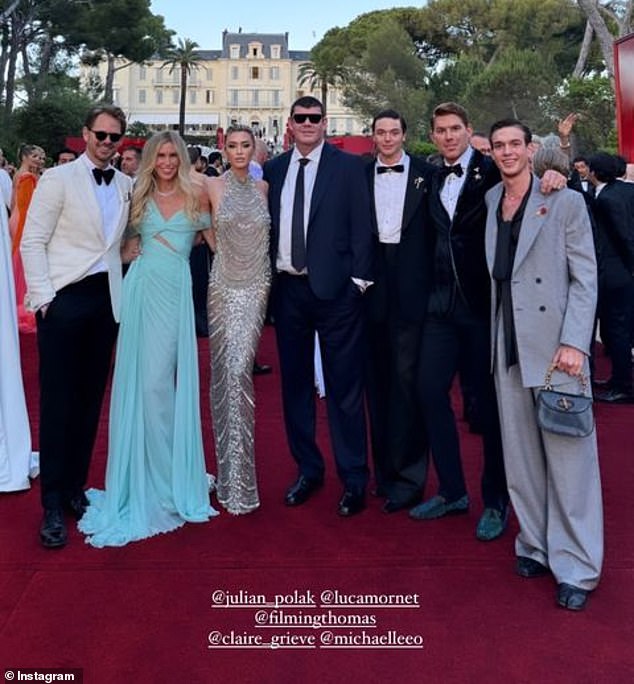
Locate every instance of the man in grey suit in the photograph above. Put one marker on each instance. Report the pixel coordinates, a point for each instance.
(540, 254)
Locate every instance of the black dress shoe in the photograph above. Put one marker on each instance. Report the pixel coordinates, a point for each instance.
(351, 504)
(301, 491)
(571, 597)
(53, 532)
(527, 567)
(394, 505)
(605, 383)
(76, 506)
(614, 396)
(261, 369)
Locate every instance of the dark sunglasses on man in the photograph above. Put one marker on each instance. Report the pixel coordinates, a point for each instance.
(102, 135)
(302, 118)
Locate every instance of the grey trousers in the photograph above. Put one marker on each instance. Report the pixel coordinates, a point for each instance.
(554, 485)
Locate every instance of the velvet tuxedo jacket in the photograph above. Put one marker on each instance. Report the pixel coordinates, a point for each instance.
(460, 268)
(339, 234)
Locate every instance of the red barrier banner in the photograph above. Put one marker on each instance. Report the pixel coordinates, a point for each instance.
(624, 78)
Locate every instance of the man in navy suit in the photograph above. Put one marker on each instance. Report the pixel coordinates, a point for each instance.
(321, 247)
(396, 308)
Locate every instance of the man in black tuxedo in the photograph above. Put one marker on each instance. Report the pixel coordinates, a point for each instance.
(457, 327)
(396, 305)
(321, 246)
(614, 236)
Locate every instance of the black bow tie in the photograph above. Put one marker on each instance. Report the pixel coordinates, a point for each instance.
(397, 168)
(103, 175)
(455, 169)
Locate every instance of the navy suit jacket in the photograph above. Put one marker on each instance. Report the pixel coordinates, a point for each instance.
(339, 235)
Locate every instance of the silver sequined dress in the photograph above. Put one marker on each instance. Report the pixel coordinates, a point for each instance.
(238, 290)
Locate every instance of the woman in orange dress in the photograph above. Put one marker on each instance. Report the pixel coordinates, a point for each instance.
(31, 158)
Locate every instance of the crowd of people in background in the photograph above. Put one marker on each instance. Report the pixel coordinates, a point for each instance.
(476, 262)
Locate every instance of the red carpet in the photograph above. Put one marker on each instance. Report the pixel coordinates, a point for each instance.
(145, 612)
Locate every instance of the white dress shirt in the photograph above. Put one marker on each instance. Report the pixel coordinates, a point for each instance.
(108, 200)
(389, 201)
(453, 184)
(287, 199)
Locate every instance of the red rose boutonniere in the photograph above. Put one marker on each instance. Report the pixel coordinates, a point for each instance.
(542, 211)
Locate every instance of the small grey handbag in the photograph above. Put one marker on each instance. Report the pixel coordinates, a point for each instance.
(565, 414)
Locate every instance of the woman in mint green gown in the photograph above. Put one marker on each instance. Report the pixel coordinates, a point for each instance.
(155, 475)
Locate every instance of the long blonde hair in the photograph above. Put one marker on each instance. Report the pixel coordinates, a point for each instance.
(145, 184)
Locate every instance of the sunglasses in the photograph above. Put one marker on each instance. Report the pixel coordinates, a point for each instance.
(302, 118)
(102, 135)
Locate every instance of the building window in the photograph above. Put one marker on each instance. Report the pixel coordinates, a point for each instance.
(142, 73)
(275, 97)
(234, 52)
(210, 74)
(255, 98)
(234, 73)
(158, 96)
(192, 97)
(275, 51)
(142, 96)
(233, 97)
(255, 73)
(209, 96)
(175, 96)
(275, 73)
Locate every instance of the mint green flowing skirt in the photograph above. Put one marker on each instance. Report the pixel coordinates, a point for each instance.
(155, 476)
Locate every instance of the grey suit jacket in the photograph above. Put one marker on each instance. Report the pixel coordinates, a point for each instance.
(554, 280)
(63, 236)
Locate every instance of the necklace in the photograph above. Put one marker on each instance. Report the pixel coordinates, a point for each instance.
(165, 194)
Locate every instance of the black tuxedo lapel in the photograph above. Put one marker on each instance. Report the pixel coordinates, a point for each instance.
(413, 193)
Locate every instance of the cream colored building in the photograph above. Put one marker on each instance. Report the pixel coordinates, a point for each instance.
(253, 80)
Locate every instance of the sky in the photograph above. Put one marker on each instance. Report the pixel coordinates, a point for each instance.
(305, 20)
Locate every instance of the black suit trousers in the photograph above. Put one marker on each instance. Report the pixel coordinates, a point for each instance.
(75, 341)
(615, 314)
(460, 339)
(298, 315)
(399, 445)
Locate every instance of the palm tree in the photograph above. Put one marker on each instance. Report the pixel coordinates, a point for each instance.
(322, 78)
(183, 57)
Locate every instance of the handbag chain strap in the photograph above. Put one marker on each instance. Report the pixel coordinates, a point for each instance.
(548, 380)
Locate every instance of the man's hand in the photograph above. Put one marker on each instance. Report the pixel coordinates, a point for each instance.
(564, 128)
(568, 360)
(552, 180)
(130, 250)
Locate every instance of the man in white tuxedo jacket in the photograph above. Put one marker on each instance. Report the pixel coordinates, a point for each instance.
(540, 253)
(72, 264)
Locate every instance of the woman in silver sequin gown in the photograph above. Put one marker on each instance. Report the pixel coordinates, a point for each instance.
(236, 303)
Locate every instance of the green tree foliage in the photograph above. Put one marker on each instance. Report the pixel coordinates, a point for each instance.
(47, 122)
(110, 30)
(388, 74)
(593, 100)
(497, 57)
